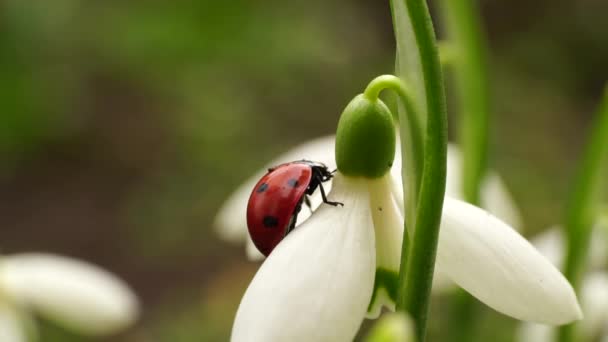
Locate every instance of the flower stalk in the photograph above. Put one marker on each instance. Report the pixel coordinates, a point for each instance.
(583, 203)
(410, 121)
(416, 274)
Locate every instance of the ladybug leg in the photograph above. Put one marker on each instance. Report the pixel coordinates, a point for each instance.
(294, 217)
(325, 200)
(307, 202)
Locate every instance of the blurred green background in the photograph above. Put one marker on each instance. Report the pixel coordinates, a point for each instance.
(125, 124)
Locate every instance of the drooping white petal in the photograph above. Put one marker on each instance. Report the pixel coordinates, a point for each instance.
(317, 283)
(388, 225)
(11, 324)
(594, 302)
(79, 295)
(552, 245)
(498, 266)
(230, 221)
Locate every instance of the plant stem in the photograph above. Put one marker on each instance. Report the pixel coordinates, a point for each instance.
(414, 293)
(410, 118)
(583, 204)
(469, 64)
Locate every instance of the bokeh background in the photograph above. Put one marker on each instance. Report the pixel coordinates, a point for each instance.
(125, 124)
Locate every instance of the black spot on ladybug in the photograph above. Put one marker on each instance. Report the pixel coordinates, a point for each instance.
(262, 187)
(379, 208)
(270, 221)
(293, 183)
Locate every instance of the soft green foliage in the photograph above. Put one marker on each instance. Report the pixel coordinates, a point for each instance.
(125, 124)
(365, 139)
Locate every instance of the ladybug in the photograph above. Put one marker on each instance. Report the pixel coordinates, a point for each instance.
(277, 199)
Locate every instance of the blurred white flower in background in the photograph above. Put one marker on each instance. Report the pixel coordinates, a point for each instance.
(594, 288)
(77, 295)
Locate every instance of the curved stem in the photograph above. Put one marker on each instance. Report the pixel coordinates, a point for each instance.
(412, 116)
(414, 293)
(583, 203)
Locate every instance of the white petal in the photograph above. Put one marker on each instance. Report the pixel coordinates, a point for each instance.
(80, 295)
(594, 300)
(498, 266)
(11, 325)
(442, 283)
(551, 244)
(317, 283)
(388, 225)
(230, 221)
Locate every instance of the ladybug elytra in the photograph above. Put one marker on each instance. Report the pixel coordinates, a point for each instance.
(277, 199)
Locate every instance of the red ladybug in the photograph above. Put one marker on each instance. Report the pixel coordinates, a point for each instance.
(277, 198)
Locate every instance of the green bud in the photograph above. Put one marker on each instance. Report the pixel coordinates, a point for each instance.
(394, 327)
(365, 140)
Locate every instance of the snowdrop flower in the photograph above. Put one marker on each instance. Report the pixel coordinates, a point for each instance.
(342, 263)
(594, 288)
(78, 295)
(230, 221)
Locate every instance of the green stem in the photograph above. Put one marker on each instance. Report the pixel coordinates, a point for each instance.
(469, 63)
(410, 119)
(583, 204)
(414, 293)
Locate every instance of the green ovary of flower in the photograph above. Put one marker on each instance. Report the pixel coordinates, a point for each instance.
(365, 139)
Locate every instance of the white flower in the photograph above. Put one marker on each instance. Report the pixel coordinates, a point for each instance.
(594, 289)
(317, 283)
(231, 225)
(342, 263)
(75, 294)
